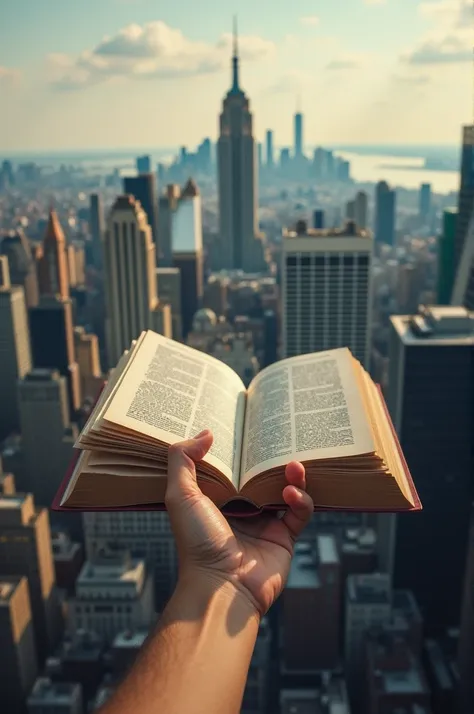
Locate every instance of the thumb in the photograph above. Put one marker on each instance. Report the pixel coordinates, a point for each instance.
(182, 458)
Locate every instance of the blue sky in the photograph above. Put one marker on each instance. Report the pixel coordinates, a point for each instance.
(120, 73)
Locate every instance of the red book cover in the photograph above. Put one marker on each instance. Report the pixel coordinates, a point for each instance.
(233, 509)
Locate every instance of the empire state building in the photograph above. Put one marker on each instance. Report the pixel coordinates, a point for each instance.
(240, 244)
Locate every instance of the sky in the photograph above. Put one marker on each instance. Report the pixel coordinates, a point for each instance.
(144, 73)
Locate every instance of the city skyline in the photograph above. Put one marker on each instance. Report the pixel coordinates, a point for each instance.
(159, 60)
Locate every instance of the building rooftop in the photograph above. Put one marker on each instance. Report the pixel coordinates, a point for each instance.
(436, 325)
(130, 640)
(122, 574)
(328, 697)
(168, 271)
(303, 572)
(327, 550)
(42, 375)
(372, 589)
(349, 230)
(47, 693)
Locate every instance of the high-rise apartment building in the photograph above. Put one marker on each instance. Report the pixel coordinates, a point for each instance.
(270, 151)
(97, 228)
(19, 665)
(385, 213)
(131, 285)
(240, 245)
(298, 148)
(169, 291)
(25, 550)
(327, 290)
(47, 436)
(52, 342)
(430, 397)
(361, 209)
(145, 535)
(425, 201)
(16, 247)
(15, 352)
(52, 263)
(188, 252)
(143, 188)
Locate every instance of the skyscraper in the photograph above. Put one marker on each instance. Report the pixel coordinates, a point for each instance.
(463, 292)
(88, 360)
(15, 352)
(298, 148)
(143, 164)
(425, 201)
(96, 218)
(327, 290)
(385, 207)
(361, 209)
(143, 188)
(19, 666)
(52, 342)
(167, 205)
(131, 285)
(446, 257)
(466, 193)
(47, 436)
(269, 143)
(25, 550)
(52, 264)
(169, 291)
(430, 397)
(17, 249)
(240, 245)
(187, 251)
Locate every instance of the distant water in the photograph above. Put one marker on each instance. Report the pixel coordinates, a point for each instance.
(398, 165)
(403, 171)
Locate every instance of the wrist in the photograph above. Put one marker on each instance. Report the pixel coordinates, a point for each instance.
(199, 589)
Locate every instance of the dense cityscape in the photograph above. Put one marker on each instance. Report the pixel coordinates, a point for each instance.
(251, 253)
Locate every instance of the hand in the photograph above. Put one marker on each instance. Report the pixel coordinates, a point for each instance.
(251, 554)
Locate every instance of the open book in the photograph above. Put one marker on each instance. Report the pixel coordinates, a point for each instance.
(322, 409)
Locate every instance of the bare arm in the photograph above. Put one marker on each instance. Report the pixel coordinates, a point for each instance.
(197, 660)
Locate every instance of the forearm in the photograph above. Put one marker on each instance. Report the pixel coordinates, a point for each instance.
(197, 660)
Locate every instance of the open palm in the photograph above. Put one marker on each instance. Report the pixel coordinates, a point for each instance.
(252, 553)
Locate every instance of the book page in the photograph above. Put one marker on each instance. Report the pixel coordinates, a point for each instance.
(304, 408)
(172, 392)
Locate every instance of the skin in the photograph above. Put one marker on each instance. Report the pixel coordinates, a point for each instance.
(231, 572)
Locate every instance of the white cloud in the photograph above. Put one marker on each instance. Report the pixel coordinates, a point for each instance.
(449, 39)
(310, 20)
(151, 50)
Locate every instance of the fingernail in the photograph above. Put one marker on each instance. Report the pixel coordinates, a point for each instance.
(202, 433)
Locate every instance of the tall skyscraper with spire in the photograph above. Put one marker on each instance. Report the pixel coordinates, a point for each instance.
(298, 135)
(241, 246)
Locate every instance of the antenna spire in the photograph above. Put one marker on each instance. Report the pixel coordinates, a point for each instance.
(235, 57)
